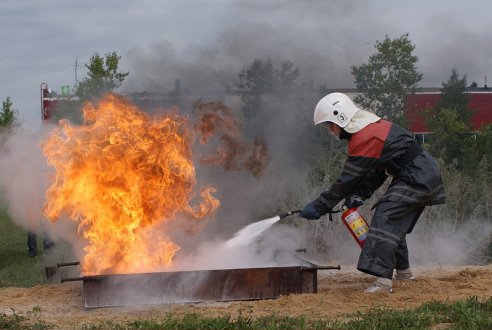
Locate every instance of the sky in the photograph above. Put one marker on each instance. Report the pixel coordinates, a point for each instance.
(206, 43)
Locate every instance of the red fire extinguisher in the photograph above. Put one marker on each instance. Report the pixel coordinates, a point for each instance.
(356, 225)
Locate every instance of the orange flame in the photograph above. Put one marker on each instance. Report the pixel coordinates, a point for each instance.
(119, 175)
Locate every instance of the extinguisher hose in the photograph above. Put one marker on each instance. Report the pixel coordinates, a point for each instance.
(330, 217)
(283, 215)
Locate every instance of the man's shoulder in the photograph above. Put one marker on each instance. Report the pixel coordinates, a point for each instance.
(379, 130)
(369, 141)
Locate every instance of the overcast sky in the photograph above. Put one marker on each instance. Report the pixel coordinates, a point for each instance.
(205, 43)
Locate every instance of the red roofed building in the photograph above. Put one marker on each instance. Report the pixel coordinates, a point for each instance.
(480, 104)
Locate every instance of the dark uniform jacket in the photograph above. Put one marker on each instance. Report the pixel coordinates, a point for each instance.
(370, 153)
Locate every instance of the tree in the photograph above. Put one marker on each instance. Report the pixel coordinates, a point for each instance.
(477, 153)
(450, 123)
(253, 83)
(388, 77)
(454, 97)
(450, 135)
(274, 99)
(103, 76)
(262, 79)
(8, 116)
(286, 76)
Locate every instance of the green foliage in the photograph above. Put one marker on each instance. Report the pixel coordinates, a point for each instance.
(12, 321)
(31, 320)
(453, 139)
(477, 153)
(467, 210)
(450, 134)
(16, 267)
(253, 82)
(460, 192)
(454, 97)
(103, 76)
(464, 159)
(8, 116)
(328, 165)
(387, 78)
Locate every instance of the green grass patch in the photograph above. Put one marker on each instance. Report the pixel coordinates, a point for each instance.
(468, 314)
(17, 269)
(31, 320)
(194, 321)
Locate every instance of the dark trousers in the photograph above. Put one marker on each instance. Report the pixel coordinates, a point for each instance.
(385, 248)
(33, 246)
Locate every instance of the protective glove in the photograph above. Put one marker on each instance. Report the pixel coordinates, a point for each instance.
(310, 212)
(353, 201)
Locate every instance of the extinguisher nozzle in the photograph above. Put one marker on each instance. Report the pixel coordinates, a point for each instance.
(283, 215)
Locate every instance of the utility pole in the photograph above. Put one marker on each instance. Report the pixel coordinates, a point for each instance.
(76, 65)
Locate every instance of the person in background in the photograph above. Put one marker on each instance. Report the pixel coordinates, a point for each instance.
(33, 246)
(378, 149)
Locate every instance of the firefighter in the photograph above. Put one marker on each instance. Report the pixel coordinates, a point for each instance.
(378, 149)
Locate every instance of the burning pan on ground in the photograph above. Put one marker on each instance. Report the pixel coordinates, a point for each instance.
(197, 286)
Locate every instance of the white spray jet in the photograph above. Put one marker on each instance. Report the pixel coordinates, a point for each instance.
(248, 234)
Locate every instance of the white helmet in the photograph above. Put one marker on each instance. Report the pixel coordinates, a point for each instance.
(337, 108)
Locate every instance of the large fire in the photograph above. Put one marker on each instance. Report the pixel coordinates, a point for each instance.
(119, 175)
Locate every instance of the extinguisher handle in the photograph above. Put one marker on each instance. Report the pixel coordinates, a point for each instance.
(330, 216)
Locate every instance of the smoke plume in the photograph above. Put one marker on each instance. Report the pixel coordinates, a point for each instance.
(214, 119)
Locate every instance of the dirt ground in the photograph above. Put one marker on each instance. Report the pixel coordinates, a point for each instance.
(339, 292)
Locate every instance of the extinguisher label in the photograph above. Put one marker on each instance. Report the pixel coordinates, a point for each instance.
(352, 216)
(357, 225)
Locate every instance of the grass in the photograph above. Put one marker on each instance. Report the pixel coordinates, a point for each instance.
(16, 267)
(29, 321)
(469, 314)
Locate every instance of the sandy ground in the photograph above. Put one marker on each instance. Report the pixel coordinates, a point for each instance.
(339, 293)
